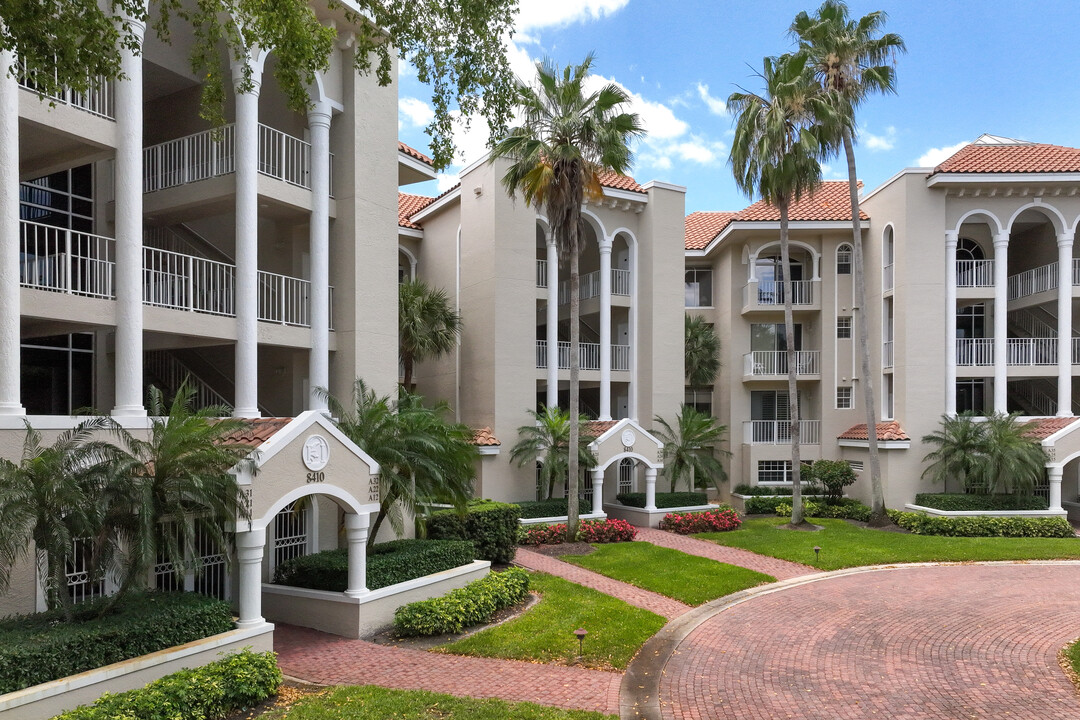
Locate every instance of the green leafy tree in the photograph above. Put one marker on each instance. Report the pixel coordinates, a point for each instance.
(428, 327)
(833, 476)
(959, 452)
(775, 154)
(702, 353)
(851, 60)
(691, 447)
(547, 441)
(1014, 463)
(568, 138)
(457, 48)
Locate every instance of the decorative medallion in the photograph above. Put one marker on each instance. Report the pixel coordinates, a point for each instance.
(628, 437)
(316, 453)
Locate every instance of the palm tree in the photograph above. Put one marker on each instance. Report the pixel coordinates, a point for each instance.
(547, 441)
(690, 447)
(774, 154)
(428, 327)
(701, 347)
(568, 138)
(959, 452)
(1014, 463)
(850, 61)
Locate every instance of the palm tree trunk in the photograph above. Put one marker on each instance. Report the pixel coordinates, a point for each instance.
(406, 379)
(793, 387)
(384, 509)
(575, 396)
(878, 516)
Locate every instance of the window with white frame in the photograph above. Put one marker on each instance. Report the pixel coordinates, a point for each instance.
(844, 398)
(843, 327)
(843, 259)
(699, 287)
(774, 471)
(291, 531)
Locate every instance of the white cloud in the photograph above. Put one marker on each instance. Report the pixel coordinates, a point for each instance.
(535, 14)
(716, 105)
(880, 142)
(418, 112)
(445, 181)
(935, 156)
(658, 119)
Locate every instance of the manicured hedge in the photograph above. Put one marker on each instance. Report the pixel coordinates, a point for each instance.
(764, 490)
(664, 500)
(982, 526)
(388, 563)
(768, 505)
(492, 527)
(963, 501)
(720, 520)
(555, 507)
(38, 648)
(458, 609)
(210, 692)
(847, 509)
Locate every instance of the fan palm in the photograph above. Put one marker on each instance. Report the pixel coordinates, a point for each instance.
(850, 62)
(428, 327)
(690, 447)
(1014, 463)
(701, 347)
(959, 452)
(547, 441)
(569, 137)
(774, 154)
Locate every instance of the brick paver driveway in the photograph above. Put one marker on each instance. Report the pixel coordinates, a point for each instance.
(959, 641)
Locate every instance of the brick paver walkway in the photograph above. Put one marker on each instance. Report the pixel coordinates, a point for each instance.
(960, 641)
(331, 660)
(779, 569)
(654, 602)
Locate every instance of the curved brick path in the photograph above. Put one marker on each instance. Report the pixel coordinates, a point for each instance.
(779, 569)
(331, 660)
(959, 641)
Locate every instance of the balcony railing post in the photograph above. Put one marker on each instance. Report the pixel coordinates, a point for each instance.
(190, 289)
(68, 264)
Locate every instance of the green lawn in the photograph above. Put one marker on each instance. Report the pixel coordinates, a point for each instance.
(845, 545)
(1073, 654)
(691, 579)
(369, 702)
(544, 633)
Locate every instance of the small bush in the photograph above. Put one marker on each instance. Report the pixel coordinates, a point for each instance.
(492, 527)
(458, 609)
(388, 564)
(213, 691)
(38, 648)
(833, 476)
(846, 509)
(606, 531)
(542, 534)
(982, 526)
(719, 520)
(555, 507)
(963, 501)
(664, 500)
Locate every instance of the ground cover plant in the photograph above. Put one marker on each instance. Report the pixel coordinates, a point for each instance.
(983, 526)
(842, 508)
(464, 607)
(387, 564)
(544, 633)
(845, 545)
(720, 520)
(592, 531)
(687, 578)
(368, 701)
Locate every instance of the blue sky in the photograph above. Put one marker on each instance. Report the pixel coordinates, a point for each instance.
(973, 66)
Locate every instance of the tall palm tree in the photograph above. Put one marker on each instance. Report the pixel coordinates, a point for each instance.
(774, 154)
(568, 138)
(1014, 463)
(959, 452)
(851, 61)
(690, 447)
(701, 347)
(428, 327)
(547, 441)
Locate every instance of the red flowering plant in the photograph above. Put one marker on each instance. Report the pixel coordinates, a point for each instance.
(606, 531)
(543, 535)
(719, 520)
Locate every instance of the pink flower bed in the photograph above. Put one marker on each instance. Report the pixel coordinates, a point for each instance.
(719, 520)
(606, 531)
(544, 535)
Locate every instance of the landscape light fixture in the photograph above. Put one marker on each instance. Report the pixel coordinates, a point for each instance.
(817, 552)
(581, 633)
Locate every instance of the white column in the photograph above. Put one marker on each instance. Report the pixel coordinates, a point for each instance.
(249, 556)
(246, 154)
(650, 488)
(598, 491)
(1065, 333)
(319, 357)
(552, 323)
(1055, 474)
(129, 231)
(1001, 316)
(356, 534)
(605, 329)
(950, 322)
(10, 398)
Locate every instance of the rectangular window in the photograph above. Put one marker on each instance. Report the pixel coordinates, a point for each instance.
(626, 475)
(773, 337)
(773, 471)
(843, 260)
(843, 327)
(699, 287)
(856, 465)
(700, 400)
(844, 400)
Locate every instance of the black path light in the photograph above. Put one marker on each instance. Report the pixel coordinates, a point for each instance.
(817, 553)
(581, 633)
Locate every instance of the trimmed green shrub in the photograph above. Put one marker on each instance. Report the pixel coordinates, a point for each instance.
(833, 476)
(458, 609)
(664, 500)
(555, 507)
(767, 505)
(210, 692)
(982, 526)
(492, 527)
(388, 563)
(38, 648)
(767, 490)
(846, 509)
(963, 501)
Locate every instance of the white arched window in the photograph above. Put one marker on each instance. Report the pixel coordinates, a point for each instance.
(843, 259)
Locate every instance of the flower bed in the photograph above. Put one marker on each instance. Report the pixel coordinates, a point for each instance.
(592, 531)
(719, 520)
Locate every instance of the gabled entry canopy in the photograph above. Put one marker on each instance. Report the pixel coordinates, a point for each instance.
(305, 455)
(624, 438)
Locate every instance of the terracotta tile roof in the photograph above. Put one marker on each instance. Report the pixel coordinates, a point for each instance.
(829, 202)
(885, 431)
(414, 153)
(259, 431)
(408, 205)
(1017, 158)
(484, 437)
(596, 428)
(620, 182)
(702, 227)
(1042, 428)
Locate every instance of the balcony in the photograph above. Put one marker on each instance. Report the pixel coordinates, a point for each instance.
(774, 363)
(97, 101)
(778, 432)
(769, 296)
(1040, 279)
(974, 273)
(1031, 351)
(590, 285)
(974, 352)
(588, 356)
(887, 354)
(541, 274)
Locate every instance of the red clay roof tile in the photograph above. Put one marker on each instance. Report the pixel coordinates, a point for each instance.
(885, 431)
(702, 227)
(414, 153)
(409, 205)
(1018, 158)
(259, 430)
(1042, 428)
(829, 202)
(596, 428)
(484, 437)
(620, 182)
